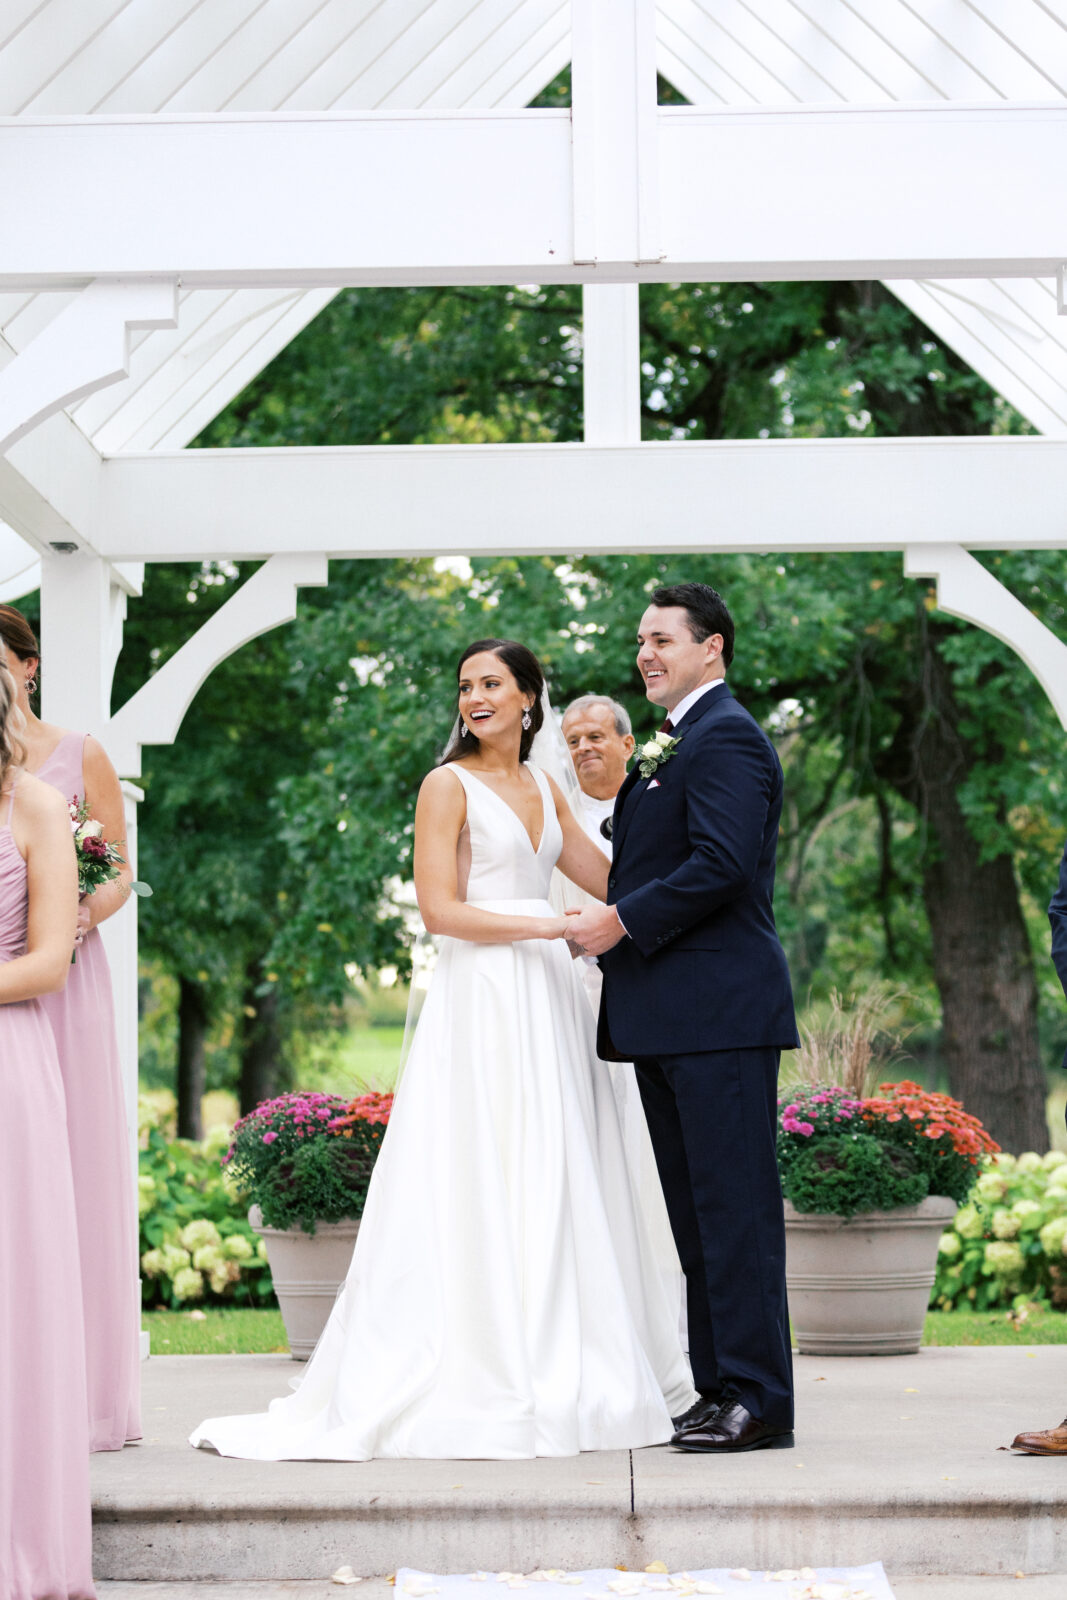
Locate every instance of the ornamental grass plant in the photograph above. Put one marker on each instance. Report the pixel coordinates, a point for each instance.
(843, 1150)
(306, 1157)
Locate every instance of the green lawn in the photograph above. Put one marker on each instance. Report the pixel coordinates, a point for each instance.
(994, 1327)
(223, 1330)
(226, 1331)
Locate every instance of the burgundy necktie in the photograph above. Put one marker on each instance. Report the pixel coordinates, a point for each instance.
(668, 726)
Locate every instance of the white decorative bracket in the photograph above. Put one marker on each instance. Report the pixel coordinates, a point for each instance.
(965, 589)
(154, 714)
(615, 148)
(1061, 289)
(86, 347)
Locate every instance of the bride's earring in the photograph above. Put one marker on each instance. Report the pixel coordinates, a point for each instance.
(527, 720)
(463, 730)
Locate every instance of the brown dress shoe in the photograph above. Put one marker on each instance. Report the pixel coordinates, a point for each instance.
(731, 1428)
(1052, 1442)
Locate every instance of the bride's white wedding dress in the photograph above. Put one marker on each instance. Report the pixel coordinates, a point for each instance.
(503, 1299)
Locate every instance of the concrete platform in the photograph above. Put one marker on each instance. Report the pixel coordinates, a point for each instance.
(896, 1460)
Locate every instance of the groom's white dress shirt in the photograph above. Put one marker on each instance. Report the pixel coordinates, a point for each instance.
(691, 699)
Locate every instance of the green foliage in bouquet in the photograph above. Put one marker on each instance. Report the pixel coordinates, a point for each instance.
(1008, 1246)
(306, 1158)
(195, 1242)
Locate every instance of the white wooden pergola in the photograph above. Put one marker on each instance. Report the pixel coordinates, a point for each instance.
(185, 183)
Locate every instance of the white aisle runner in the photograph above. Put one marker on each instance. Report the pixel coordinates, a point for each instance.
(804, 1583)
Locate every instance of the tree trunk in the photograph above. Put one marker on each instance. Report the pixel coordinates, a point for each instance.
(262, 1068)
(192, 1039)
(983, 965)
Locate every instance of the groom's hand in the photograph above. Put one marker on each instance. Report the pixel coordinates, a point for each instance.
(594, 929)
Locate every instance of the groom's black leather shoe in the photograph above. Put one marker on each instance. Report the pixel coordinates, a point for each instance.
(729, 1429)
(700, 1412)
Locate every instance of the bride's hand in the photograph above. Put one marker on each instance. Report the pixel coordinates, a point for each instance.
(553, 928)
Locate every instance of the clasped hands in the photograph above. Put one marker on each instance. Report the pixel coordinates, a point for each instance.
(593, 929)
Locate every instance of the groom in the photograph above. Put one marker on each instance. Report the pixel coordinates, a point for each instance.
(697, 994)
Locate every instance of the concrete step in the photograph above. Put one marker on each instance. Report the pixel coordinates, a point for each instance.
(1049, 1586)
(897, 1460)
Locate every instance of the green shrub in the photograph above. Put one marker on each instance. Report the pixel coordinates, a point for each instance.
(858, 1173)
(1008, 1245)
(196, 1245)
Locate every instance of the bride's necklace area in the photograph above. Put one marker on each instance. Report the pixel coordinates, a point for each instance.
(523, 799)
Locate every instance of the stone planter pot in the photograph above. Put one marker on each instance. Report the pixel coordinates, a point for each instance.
(307, 1269)
(860, 1286)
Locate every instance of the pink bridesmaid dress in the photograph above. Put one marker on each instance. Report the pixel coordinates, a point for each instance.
(83, 1021)
(45, 1518)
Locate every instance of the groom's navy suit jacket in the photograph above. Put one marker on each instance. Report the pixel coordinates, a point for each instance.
(1057, 916)
(692, 877)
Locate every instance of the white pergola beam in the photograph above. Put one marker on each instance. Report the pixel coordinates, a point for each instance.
(804, 495)
(50, 485)
(933, 191)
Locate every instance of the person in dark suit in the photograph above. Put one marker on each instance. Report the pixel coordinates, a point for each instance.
(697, 994)
(1052, 1441)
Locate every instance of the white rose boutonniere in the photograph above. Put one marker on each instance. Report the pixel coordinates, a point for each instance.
(656, 752)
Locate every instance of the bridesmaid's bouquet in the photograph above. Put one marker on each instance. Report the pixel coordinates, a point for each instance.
(99, 861)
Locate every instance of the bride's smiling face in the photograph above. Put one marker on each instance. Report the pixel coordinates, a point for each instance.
(490, 701)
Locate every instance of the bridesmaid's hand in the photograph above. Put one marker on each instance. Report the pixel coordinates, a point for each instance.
(83, 925)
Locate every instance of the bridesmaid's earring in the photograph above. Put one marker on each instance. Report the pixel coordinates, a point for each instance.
(463, 730)
(31, 686)
(527, 720)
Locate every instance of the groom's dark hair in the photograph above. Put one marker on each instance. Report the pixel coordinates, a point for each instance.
(706, 610)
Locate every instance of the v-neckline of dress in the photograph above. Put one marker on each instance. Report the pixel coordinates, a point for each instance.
(536, 848)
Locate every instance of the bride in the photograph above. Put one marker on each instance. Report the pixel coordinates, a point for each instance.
(503, 1299)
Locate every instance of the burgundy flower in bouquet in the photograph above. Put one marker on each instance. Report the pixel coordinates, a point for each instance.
(99, 861)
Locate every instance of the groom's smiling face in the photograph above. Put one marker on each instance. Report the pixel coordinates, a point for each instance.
(671, 662)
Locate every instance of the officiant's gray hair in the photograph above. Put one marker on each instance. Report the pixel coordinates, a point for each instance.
(623, 726)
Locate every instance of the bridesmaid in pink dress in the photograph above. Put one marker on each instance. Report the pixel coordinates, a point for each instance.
(45, 1518)
(83, 1021)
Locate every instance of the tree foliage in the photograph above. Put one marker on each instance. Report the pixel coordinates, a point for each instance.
(920, 753)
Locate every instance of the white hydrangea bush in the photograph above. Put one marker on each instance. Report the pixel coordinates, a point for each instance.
(1008, 1244)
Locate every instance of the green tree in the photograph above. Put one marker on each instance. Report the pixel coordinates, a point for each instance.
(925, 742)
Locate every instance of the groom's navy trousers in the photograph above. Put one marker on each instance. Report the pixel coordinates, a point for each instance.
(698, 996)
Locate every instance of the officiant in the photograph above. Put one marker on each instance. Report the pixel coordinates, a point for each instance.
(600, 739)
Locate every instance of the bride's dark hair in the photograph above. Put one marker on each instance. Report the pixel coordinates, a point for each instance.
(526, 670)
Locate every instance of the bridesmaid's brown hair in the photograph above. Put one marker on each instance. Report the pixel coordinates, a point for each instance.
(17, 634)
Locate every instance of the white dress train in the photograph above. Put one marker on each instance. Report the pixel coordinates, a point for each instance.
(503, 1300)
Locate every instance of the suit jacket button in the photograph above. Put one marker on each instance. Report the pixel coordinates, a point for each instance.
(611, 883)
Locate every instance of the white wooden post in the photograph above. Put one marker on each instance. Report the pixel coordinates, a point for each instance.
(119, 934)
(615, 138)
(611, 363)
